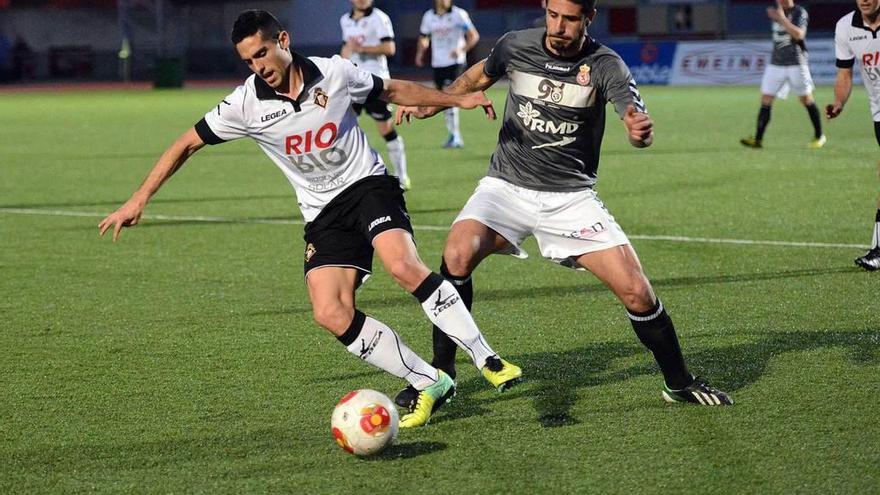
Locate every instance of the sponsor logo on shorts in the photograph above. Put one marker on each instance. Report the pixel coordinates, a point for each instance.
(378, 221)
(310, 251)
(441, 304)
(587, 233)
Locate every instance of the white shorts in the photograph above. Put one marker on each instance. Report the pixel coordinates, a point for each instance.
(778, 79)
(565, 224)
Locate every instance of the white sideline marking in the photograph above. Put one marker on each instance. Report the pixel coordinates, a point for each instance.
(440, 228)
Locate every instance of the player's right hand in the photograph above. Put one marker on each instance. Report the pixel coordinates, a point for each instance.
(127, 215)
(404, 112)
(478, 99)
(833, 110)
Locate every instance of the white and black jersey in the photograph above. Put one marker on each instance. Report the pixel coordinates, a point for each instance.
(554, 117)
(787, 51)
(447, 32)
(372, 29)
(315, 139)
(855, 41)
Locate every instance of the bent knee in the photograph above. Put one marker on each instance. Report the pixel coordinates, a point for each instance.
(637, 296)
(335, 317)
(459, 260)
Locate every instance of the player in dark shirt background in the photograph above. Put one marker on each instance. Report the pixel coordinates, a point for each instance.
(789, 69)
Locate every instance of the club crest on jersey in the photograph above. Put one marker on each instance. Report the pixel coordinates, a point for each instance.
(549, 91)
(583, 77)
(321, 98)
(310, 251)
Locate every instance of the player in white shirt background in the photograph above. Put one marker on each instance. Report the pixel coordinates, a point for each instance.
(855, 37)
(299, 112)
(450, 34)
(368, 41)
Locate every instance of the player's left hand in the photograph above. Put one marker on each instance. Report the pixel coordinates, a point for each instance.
(774, 13)
(407, 113)
(639, 127)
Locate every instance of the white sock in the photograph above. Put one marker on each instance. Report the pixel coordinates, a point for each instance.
(875, 241)
(379, 345)
(445, 309)
(397, 154)
(451, 115)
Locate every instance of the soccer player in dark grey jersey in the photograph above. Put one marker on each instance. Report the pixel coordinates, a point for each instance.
(541, 179)
(788, 69)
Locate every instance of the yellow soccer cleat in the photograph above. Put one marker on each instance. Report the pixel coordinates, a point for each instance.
(501, 374)
(818, 142)
(429, 400)
(751, 142)
(405, 183)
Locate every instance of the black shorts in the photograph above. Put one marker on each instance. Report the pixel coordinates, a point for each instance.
(877, 132)
(342, 234)
(443, 76)
(378, 109)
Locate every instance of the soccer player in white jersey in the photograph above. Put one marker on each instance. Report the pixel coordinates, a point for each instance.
(789, 68)
(298, 110)
(855, 37)
(542, 177)
(449, 32)
(368, 41)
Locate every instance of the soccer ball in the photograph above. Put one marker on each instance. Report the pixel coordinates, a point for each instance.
(364, 422)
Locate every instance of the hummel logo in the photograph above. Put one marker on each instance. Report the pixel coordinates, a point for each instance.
(441, 304)
(557, 68)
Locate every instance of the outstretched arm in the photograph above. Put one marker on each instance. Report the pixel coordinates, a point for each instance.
(842, 90)
(472, 80)
(170, 162)
(408, 93)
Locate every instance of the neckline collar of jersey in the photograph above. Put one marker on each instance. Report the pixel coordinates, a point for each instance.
(858, 22)
(367, 13)
(311, 75)
(437, 12)
(588, 44)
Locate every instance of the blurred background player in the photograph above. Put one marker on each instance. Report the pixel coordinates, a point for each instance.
(788, 69)
(368, 41)
(449, 32)
(855, 37)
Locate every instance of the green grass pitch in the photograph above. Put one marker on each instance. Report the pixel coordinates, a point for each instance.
(184, 358)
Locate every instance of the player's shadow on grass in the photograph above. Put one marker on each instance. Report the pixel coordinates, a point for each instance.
(555, 380)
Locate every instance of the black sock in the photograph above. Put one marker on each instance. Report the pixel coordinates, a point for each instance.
(815, 119)
(656, 331)
(877, 131)
(444, 347)
(763, 120)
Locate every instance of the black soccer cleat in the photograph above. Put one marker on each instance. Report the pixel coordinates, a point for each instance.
(407, 398)
(870, 261)
(698, 392)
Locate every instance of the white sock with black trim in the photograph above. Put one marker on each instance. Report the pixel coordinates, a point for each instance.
(379, 345)
(444, 307)
(875, 241)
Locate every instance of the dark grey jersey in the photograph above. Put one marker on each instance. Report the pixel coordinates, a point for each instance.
(786, 51)
(554, 117)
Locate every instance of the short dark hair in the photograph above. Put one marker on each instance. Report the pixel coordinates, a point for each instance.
(586, 5)
(250, 22)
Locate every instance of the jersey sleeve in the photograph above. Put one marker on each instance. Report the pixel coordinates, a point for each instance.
(801, 19)
(496, 62)
(619, 87)
(384, 30)
(846, 59)
(363, 86)
(225, 122)
(466, 23)
(425, 27)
